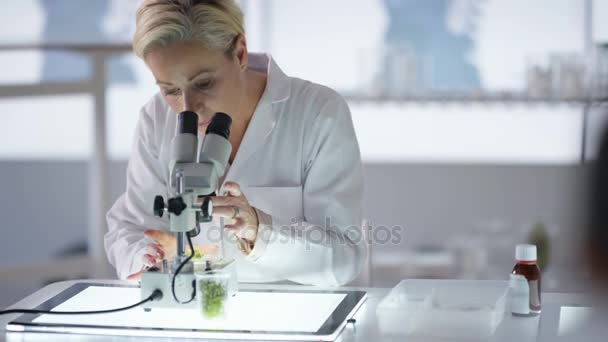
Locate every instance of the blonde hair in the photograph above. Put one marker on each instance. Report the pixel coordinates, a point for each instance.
(215, 23)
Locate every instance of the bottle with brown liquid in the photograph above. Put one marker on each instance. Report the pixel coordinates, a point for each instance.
(525, 258)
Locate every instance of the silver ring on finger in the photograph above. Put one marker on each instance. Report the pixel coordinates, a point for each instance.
(237, 211)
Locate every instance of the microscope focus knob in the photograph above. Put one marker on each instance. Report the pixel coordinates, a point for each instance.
(207, 207)
(159, 206)
(176, 205)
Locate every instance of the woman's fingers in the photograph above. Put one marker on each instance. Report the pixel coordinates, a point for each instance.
(150, 260)
(226, 212)
(237, 224)
(135, 276)
(154, 255)
(209, 249)
(165, 241)
(219, 201)
(160, 237)
(242, 230)
(232, 189)
(155, 250)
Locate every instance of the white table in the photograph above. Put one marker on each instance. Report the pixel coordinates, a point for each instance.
(540, 328)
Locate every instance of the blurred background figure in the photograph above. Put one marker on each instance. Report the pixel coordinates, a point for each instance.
(597, 239)
(68, 23)
(590, 322)
(429, 46)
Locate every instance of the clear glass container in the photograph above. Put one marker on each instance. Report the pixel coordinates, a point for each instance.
(447, 309)
(212, 293)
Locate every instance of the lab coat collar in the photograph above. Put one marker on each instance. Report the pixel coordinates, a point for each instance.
(278, 89)
(278, 84)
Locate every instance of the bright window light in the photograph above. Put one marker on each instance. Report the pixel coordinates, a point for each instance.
(474, 133)
(43, 128)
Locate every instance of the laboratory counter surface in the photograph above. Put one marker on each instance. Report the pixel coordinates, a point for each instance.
(364, 327)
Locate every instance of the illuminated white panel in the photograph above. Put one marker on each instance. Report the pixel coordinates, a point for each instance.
(255, 311)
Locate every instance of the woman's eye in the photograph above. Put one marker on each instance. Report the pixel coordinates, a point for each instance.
(170, 92)
(204, 85)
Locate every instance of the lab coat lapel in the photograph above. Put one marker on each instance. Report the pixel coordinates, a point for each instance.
(259, 129)
(263, 121)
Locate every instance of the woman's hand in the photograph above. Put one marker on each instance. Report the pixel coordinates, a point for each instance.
(163, 242)
(164, 246)
(240, 217)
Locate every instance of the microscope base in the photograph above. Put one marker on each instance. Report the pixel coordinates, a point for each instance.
(160, 279)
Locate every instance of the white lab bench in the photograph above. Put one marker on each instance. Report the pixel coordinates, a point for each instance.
(539, 328)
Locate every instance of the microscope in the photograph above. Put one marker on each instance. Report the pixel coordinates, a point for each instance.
(194, 179)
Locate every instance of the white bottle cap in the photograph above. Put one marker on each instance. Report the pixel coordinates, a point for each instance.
(525, 252)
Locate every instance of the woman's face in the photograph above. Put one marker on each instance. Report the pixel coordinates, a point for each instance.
(192, 77)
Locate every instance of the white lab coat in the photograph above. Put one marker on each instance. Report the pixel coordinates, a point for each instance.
(298, 162)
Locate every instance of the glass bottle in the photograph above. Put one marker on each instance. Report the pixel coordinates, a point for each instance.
(526, 265)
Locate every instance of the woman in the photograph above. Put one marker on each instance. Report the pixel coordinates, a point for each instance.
(597, 234)
(292, 195)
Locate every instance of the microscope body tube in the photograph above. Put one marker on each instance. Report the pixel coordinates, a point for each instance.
(183, 146)
(184, 150)
(185, 142)
(215, 149)
(195, 174)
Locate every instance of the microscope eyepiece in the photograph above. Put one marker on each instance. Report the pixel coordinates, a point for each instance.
(187, 123)
(220, 125)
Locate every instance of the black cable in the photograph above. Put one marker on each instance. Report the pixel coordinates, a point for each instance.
(179, 268)
(156, 295)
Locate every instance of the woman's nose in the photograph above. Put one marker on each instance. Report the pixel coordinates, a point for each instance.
(188, 103)
(193, 103)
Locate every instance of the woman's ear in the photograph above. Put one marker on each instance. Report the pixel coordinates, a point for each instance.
(240, 51)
